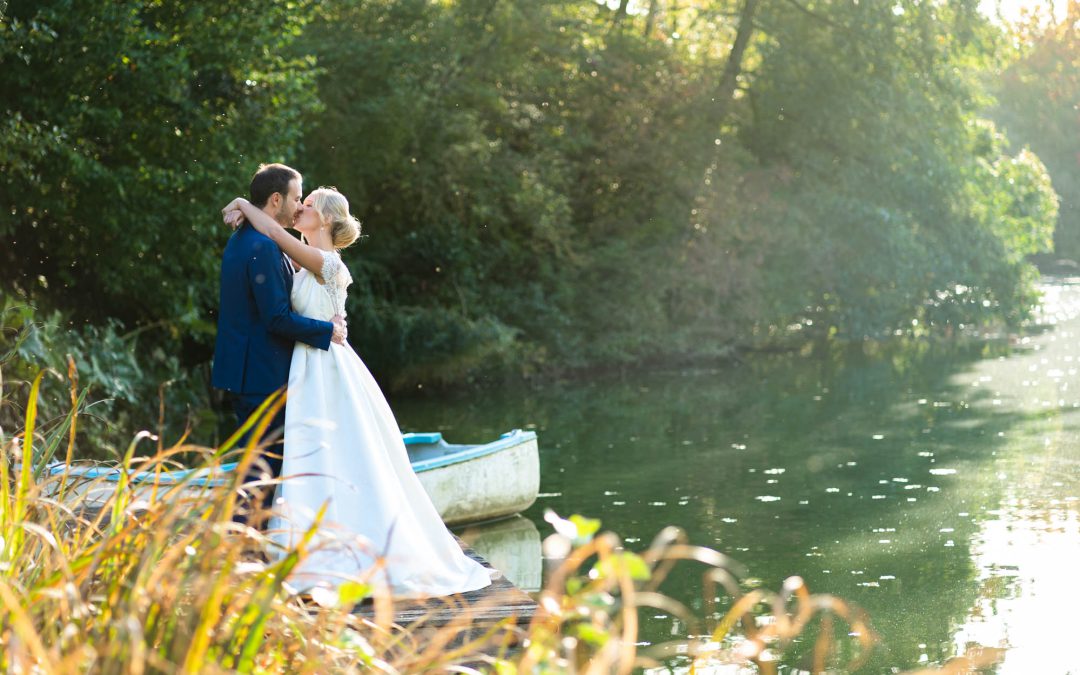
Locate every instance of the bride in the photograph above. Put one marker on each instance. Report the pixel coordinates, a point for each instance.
(343, 447)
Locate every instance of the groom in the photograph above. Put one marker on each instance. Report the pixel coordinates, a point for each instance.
(256, 325)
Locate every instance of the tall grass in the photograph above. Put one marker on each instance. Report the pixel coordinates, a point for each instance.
(112, 577)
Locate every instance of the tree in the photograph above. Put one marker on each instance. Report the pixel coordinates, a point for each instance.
(1038, 98)
(873, 111)
(125, 124)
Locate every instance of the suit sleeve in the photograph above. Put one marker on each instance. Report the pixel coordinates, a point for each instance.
(267, 281)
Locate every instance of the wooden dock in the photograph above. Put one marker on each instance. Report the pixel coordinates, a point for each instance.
(481, 608)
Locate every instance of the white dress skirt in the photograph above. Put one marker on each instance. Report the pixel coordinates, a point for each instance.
(343, 449)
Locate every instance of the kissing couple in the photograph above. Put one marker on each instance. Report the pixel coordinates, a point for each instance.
(282, 322)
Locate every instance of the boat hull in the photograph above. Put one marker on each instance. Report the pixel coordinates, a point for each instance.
(485, 488)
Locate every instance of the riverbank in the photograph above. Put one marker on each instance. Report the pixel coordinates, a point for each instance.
(134, 384)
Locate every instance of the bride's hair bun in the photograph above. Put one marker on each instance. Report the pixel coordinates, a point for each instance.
(333, 208)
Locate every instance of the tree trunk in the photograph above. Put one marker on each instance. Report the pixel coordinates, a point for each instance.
(722, 95)
(650, 20)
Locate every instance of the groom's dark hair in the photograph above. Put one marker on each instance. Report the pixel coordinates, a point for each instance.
(270, 178)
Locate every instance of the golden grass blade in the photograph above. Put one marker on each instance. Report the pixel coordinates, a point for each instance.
(52, 443)
(823, 644)
(24, 483)
(256, 635)
(670, 606)
(709, 579)
(24, 628)
(606, 547)
(5, 491)
(974, 660)
(741, 607)
(250, 422)
(261, 420)
(122, 496)
(209, 616)
(471, 647)
(76, 403)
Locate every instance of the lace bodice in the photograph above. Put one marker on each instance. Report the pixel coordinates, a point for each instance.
(336, 279)
(322, 301)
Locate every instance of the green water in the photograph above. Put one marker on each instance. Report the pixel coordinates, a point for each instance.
(934, 485)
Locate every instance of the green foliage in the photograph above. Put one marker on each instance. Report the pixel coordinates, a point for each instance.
(428, 132)
(517, 164)
(544, 186)
(127, 375)
(565, 174)
(894, 197)
(124, 124)
(433, 346)
(1037, 103)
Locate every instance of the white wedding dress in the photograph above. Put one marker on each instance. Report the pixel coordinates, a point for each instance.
(343, 447)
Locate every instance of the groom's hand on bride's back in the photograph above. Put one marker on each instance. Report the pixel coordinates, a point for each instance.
(340, 330)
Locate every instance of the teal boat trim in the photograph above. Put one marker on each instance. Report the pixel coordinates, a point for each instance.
(162, 477)
(423, 439)
(463, 453)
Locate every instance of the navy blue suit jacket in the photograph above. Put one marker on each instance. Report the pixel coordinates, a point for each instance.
(257, 328)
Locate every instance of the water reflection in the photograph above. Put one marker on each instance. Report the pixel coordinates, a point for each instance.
(1025, 549)
(932, 484)
(512, 546)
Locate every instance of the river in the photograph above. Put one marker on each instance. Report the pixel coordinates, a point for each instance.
(934, 484)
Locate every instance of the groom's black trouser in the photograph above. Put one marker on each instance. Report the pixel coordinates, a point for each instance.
(268, 460)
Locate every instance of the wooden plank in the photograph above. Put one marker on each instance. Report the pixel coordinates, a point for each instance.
(486, 606)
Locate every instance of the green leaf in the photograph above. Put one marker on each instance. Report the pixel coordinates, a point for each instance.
(586, 528)
(592, 634)
(352, 592)
(623, 563)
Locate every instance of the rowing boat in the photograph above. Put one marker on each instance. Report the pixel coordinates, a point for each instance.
(467, 483)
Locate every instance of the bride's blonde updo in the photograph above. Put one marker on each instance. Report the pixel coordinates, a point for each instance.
(333, 208)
